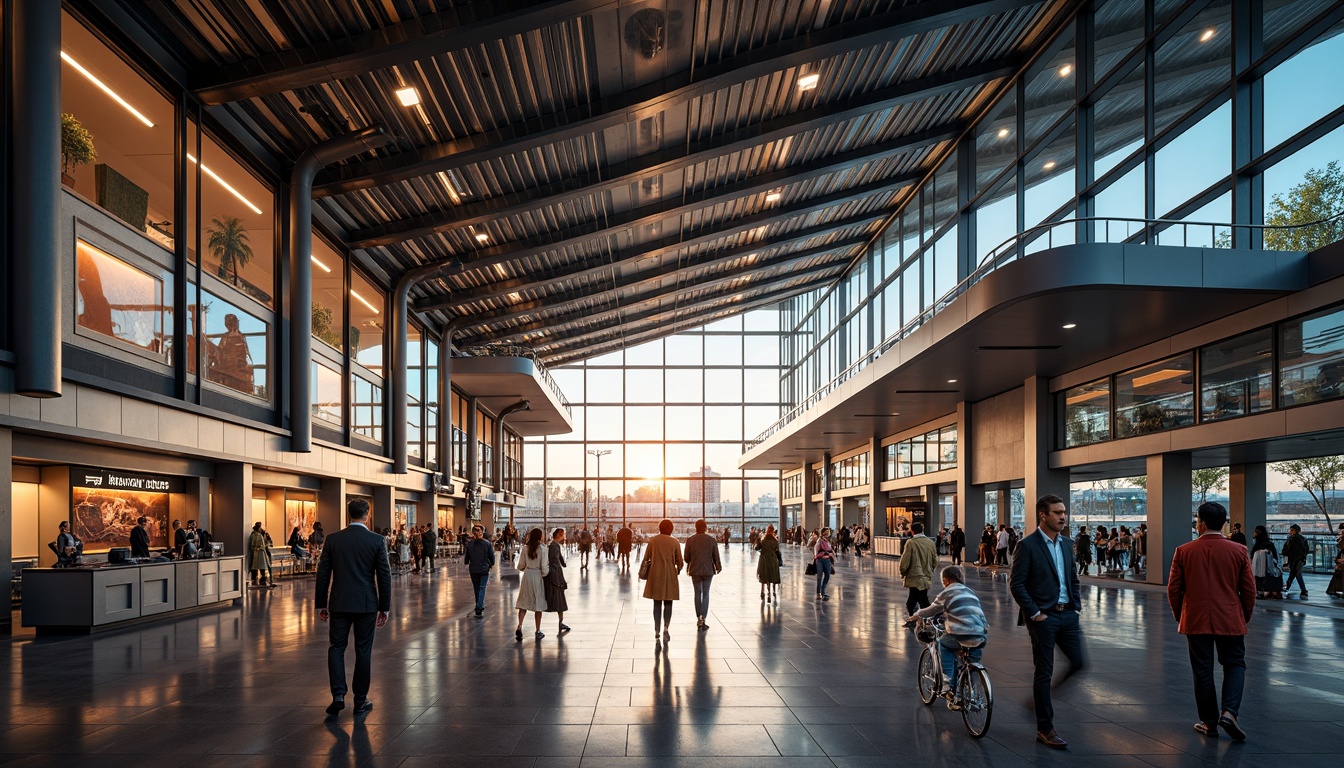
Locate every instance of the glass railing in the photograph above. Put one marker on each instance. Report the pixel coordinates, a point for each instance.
(518, 350)
(1055, 234)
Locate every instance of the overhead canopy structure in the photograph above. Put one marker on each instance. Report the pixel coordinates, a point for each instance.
(593, 173)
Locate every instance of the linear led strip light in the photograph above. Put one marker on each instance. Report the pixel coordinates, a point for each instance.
(206, 170)
(106, 89)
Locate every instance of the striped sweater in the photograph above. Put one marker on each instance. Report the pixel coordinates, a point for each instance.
(962, 612)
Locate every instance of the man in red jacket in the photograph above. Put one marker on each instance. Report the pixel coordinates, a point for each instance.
(1212, 595)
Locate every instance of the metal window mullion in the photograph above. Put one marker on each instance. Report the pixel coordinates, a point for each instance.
(1247, 125)
(1149, 125)
(1083, 130)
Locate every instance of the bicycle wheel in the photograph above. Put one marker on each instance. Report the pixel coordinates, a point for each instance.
(977, 701)
(928, 676)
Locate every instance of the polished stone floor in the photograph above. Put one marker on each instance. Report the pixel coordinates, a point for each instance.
(799, 683)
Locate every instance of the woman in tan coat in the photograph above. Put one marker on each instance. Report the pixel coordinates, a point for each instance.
(663, 559)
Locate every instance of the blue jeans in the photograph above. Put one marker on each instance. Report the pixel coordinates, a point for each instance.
(478, 582)
(947, 648)
(824, 569)
(701, 586)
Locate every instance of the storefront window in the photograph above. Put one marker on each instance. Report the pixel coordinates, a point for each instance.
(1311, 358)
(300, 512)
(237, 347)
(119, 301)
(1087, 414)
(328, 294)
(367, 323)
(1236, 377)
(126, 126)
(366, 410)
(1155, 397)
(326, 394)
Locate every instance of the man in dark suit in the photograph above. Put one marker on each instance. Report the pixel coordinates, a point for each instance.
(140, 539)
(1045, 585)
(354, 589)
(1212, 596)
(429, 545)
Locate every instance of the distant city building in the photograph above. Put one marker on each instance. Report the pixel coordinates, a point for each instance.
(706, 491)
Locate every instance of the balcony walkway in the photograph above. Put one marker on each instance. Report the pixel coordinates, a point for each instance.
(798, 684)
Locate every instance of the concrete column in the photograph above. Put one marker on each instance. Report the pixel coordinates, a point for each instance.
(849, 511)
(427, 510)
(1038, 425)
(53, 508)
(1247, 496)
(231, 508)
(827, 519)
(877, 503)
(488, 517)
(970, 498)
(1168, 511)
(6, 516)
(384, 503)
(331, 504)
(276, 523)
(194, 503)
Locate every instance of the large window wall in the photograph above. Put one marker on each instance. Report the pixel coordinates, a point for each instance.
(1136, 111)
(658, 430)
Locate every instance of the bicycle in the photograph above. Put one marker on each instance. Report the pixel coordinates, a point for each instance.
(971, 692)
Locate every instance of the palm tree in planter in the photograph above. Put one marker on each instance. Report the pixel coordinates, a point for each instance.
(229, 245)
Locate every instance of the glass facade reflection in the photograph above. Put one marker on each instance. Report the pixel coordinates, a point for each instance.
(668, 419)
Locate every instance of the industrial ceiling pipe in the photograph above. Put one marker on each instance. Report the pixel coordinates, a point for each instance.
(522, 405)
(305, 170)
(401, 296)
(444, 434)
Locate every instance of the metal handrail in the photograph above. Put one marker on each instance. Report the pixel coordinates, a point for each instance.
(519, 350)
(1006, 252)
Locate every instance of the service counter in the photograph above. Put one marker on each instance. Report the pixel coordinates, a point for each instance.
(96, 598)
(888, 545)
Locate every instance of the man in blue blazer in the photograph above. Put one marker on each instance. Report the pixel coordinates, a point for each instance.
(1045, 586)
(354, 589)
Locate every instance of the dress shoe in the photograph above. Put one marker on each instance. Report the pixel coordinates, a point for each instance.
(1228, 722)
(1207, 730)
(564, 627)
(540, 635)
(336, 705)
(1051, 739)
(518, 635)
(363, 706)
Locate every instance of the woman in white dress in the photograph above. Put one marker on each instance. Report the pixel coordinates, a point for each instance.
(533, 566)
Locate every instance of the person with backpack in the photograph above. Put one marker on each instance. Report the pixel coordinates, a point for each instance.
(1295, 552)
(1265, 565)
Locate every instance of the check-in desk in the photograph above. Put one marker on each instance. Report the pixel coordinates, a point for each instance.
(91, 599)
(888, 545)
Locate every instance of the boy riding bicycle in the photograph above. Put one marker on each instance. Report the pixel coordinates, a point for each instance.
(964, 619)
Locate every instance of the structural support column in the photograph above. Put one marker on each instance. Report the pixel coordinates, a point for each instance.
(473, 458)
(1039, 423)
(970, 498)
(6, 516)
(384, 504)
(1168, 511)
(826, 521)
(444, 436)
(521, 405)
(1247, 492)
(35, 192)
(331, 504)
(195, 504)
(231, 511)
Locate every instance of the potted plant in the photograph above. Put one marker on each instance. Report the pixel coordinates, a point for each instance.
(322, 318)
(76, 148)
(229, 245)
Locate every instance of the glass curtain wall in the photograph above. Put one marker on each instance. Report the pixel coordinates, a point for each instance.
(1127, 125)
(658, 430)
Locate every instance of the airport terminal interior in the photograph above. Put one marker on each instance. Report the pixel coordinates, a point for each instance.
(591, 265)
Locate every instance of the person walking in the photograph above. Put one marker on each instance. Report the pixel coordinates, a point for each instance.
(555, 580)
(919, 561)
(429, 546)
(966, 625)
(1295, 551)
(823, 555)
(259, 557)
(860, 540)
(479, 555)
(956, 543)
(1001, 550)
(660, 567)
(1045, 586)
(1082, 552)
(585, 548)
(625, 539)
(533, 565)
(702, 564)
(354, 591)
(1265, 565)
(767, 565)
(985, 555)
(1239, 536)
(1212, 595)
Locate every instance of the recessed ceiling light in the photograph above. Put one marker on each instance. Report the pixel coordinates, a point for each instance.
(408, 96)
(1066, 70)
(951, 381)
(1049, 164)
(481, 237)
(808, 82)
(1068, 326)
(1003, 133)
(773, 197)
(515, 296)
(1208, 35)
